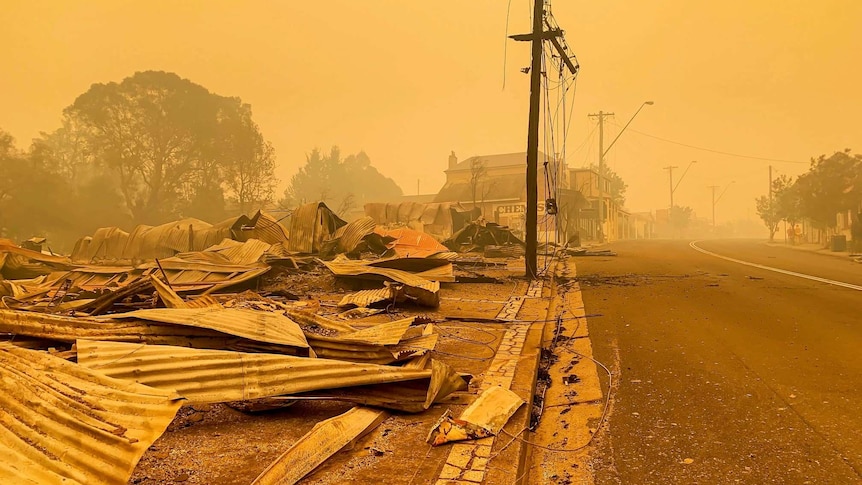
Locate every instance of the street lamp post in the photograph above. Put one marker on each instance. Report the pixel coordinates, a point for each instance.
(602, 152)
(670, 179)
(715, 200)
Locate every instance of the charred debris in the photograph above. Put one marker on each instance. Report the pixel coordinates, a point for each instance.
(101, 348)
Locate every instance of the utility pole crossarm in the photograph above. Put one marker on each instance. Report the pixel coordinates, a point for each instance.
(545, 35)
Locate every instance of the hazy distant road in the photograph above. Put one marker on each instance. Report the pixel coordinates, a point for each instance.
(728, 373)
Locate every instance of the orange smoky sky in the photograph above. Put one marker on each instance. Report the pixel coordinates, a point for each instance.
(409, 81)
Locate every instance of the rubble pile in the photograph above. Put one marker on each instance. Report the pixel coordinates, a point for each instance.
(103, 347)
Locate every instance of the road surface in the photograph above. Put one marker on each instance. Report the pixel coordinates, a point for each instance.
(725, 372)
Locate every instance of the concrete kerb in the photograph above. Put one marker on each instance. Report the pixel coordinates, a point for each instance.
(511, 455)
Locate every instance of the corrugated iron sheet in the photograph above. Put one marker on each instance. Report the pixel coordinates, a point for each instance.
(63, 423)
(412, 243)
(310, 225)
(210, 376)
(367, 298)
(68, 329)
(263, 227)
(324, 440)
(351, 234)
(424, 291)
(261, 326)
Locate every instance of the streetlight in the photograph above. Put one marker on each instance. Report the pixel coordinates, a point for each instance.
(602, 153)
(645, 103)
(670, 179)
(715, 201)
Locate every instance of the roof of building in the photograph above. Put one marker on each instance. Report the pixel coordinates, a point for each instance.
(500, 160)
(419, 198)
(498, 187)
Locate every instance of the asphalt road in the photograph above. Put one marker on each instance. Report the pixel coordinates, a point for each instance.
(726, 373)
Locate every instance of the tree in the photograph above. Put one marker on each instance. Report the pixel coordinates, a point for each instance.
(478, 173)
(616, 185)
(767, 211)
(341, 183)
(31, 196)
(781, 206)
(249, 159)
(166, 138)
(830, 186)
(680, 217)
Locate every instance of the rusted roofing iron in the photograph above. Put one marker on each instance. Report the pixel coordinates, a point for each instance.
(484, 417)
(264, 227)
(331, 435)
(384, 343)
(310, 225)
(18, 263)
(426, 292)
(63, 423)
(411, 243)
(434, 269)
(58, 328)
(261, 326)
(324, 440)
(368, 298)
(210, 376)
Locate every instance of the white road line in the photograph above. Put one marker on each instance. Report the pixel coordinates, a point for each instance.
(694, 246)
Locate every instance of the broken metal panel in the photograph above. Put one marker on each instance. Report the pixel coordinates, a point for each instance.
(67, 329)
(106, 244)
(409, 397)
(493, 408)
(410, 243)
(324, 440)
(261, 326)
(368, 298)
(348, 237)
(150, 243)
(425, 291)
(484, 417)
(249, 252)
(321, 328)
(262, 227)
(210, 376)
(310, 225)
(434, 269)
(63, 423)
(356, 352)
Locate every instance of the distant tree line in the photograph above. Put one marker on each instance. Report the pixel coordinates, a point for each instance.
(344, 184)
(830, 186)
(152, 148)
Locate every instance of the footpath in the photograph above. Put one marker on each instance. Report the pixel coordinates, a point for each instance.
(546, 358)
(818, 249)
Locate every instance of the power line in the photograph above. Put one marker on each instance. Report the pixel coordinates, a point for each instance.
(715, 151)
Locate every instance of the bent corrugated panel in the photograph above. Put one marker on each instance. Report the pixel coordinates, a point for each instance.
(210, 376)
(63, 423)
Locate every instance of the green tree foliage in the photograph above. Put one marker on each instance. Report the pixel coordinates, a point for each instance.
(342, 183)
(172, 146)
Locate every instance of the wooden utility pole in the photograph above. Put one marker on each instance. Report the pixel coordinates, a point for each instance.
(670, 179)
(537, 38)
(601, 117)
(713, 187)
(533, 141)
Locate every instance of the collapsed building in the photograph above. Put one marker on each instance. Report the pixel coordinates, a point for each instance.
(102, 348)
